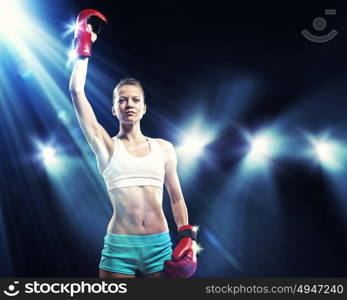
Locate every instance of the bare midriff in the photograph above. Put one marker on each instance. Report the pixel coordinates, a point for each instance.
(137, 211)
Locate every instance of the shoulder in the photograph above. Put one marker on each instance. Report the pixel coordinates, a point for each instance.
(167, 148)
(164, 143)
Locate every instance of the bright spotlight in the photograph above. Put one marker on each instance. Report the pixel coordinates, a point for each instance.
(49, 156)
(325, 151)
(12, 20)
(260, 147)
(328, 152)
(192, 146)
(264, 146)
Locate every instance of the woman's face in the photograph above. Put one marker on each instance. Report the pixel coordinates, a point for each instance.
(128, 105)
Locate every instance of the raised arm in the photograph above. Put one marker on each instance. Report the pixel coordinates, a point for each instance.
(98, 139)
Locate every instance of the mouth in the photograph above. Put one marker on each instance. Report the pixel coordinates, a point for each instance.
(129, 112)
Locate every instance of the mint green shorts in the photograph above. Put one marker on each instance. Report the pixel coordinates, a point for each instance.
(126, 253)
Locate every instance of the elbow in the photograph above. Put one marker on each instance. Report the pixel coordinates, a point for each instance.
(75, 88)
(76, 94)
(75, 91)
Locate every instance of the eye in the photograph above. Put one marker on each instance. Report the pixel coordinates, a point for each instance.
(136, 100)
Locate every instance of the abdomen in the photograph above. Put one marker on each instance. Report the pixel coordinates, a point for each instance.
(137, 211)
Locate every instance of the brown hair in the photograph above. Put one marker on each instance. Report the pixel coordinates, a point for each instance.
(128, 81)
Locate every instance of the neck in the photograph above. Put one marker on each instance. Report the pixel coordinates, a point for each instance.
(130, 131)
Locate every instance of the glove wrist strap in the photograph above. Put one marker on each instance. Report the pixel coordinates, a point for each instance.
(186, 231)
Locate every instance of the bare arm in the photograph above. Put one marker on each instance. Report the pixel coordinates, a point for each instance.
(172, 184)
(97, 137)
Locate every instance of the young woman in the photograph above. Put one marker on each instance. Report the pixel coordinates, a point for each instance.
(135, 168)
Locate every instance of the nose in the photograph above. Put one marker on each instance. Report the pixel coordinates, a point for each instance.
(130, 104)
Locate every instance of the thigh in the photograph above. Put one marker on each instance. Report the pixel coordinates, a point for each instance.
(106, 274)
(119, 259)
(153, 258)
(160, 274)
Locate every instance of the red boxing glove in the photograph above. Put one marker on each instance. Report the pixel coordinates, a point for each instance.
(83, 37)
(184, 262)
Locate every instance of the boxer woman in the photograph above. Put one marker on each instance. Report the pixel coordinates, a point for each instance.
(134, 168)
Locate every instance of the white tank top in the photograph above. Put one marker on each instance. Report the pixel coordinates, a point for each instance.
(125, 169)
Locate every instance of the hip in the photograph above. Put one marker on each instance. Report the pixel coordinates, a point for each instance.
(144, 225)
